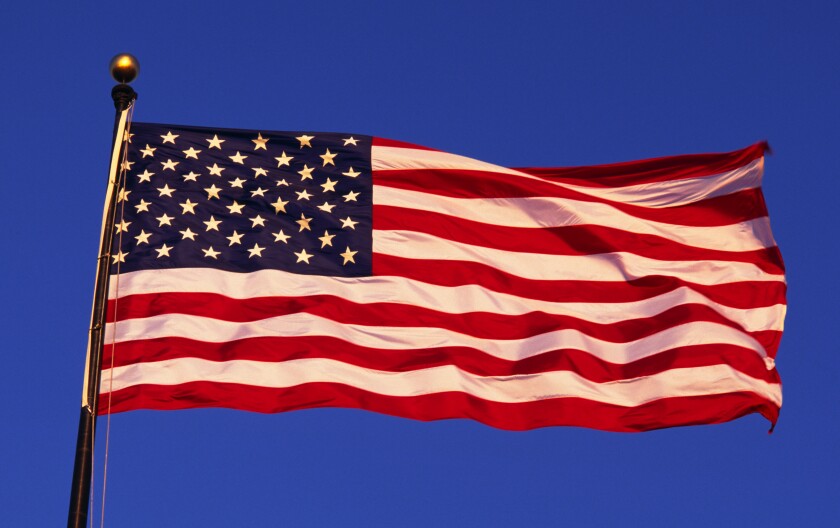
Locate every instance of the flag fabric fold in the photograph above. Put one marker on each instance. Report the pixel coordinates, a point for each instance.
(273, 271)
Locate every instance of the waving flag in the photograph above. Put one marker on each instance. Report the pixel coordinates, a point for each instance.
(272, 271)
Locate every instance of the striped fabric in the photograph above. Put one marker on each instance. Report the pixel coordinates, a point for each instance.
(623, 297)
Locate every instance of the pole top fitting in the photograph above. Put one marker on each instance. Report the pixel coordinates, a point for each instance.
(124, 68)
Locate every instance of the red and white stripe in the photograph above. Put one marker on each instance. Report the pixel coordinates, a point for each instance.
(624, 297)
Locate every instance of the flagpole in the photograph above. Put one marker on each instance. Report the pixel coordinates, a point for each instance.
(124, 69)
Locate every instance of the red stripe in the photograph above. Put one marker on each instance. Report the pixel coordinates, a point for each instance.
(746, 294)
(383, 142)
(666, 412)
(279, 349)
(478, 324)
(653, 170)
(566, 240)
(729, 209)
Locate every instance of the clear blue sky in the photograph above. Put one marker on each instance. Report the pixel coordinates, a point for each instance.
(530, 84)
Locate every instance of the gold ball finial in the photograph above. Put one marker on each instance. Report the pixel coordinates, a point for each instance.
(124, 68)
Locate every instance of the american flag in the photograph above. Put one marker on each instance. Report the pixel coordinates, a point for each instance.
(271, 271)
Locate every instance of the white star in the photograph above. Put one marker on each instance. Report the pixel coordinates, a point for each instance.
(169, 138)
(328, 158)
(303, 256)
(237, 182)
(350, 141)
(143, 206)
(304, 223)
(215, 142)
(303, 195)
(166, 190)
(234, 238)
(257, 220)
(191, 153)
(258, 192)
(212, 224)
(188, 207)
(192, 176)
(119, 257)
(122, 226)
(235, 208)
(215, 170)
(123, 195)
(305, 173)
(351, 196)
(187, 233)
(255, 251)
(351, 173)
(210, 252)
(169, 164)
(163, 251)
(212, 191)
(284, 160)
(349, 223)
(143, 237)
(259, 172)
(279, 205)
(329, 185)
(260, 142)
(326, 240)
(164, 219)
(148, 151)
(146, 176)
(305, 140)
(348, 256)
(280, 236)
(282, 182)
(238, 158)
(327, 208)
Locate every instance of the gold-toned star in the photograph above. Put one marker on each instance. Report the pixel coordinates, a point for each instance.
(234, 238)
(258, 221)
(282, 182)
(303, 256)
(304, 223)
(123, 195)
(348, 256)
(166, 190)
(280, 236)
(169, 138)
(146, 176)
(169, 164)
(215, 142)
(215, 170)
(326, 240)
(350, 141)
(305, 140)
(210, 252)
(187, 233)
(259, 191)
(148, 151)
(305, 173)
(328, 158)
(191, 153)
(164, 219)
(303, 195)
(143, 206)
(351, 196)
(235, 207)
(280, 205)
(329, 185)
(163, 251)
(284, 159)
(119, 257)
(326, 207)
(143, 237)
(122, 226)
(351, 173)
(238, 158)
(258, 171)
(255, 251)
(260, 142)
(212, 224)
(212, 191)
(191, 176)
(237, 182)
(126, 165)
(188, 207)
(347, 222)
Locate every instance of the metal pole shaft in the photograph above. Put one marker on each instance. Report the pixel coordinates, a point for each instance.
(123, 96)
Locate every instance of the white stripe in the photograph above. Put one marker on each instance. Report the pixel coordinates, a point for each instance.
(656, 194)
(454, 300)
(410, 338)
(538, 212)
(617, 266)
(699, 381)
